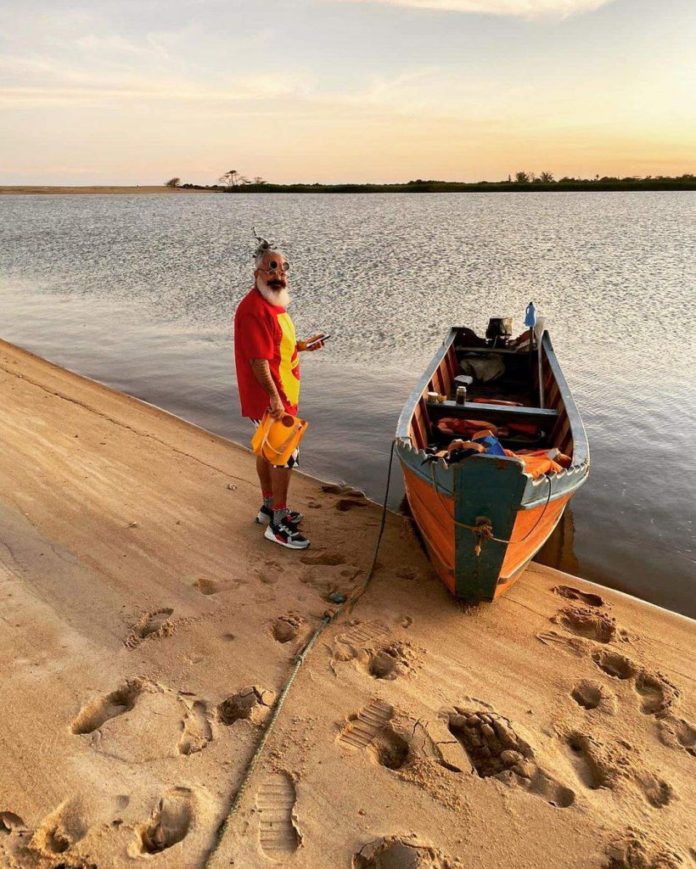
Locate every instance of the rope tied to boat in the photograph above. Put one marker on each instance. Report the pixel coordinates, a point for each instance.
(329, 616)
(482, 530)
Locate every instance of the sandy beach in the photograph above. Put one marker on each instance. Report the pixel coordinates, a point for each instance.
(94, 188)
(148, 629)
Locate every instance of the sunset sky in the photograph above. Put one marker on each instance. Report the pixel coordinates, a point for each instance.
(126, 92)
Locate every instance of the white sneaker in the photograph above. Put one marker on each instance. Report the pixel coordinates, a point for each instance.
(286, 535)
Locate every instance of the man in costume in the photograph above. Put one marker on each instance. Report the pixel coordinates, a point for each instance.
(268, 375)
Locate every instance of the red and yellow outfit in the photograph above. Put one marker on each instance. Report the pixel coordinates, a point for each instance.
(265, 331)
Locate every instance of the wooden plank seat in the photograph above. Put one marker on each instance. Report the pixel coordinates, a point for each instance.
(481, 410)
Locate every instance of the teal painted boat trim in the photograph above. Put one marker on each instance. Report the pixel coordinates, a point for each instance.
(491, 488)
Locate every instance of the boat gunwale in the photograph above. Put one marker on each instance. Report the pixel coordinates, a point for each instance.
(561, 482)
(409, 407)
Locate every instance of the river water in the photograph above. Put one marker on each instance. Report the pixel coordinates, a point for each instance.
(139, 291)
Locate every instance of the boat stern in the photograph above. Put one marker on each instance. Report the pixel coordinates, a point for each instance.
(488, 492)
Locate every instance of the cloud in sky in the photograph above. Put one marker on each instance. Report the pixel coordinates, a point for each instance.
(521, 8)
(344, 89)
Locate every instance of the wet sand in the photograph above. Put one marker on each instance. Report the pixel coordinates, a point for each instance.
(148, 629)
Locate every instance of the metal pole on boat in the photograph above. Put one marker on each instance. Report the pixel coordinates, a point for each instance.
(539, 328)
(530, 321)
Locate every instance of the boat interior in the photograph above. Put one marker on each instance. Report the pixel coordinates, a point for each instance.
(493, 381)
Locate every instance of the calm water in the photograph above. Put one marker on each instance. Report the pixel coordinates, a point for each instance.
(139, 291)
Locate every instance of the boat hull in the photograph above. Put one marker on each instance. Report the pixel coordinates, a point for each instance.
(482, 520)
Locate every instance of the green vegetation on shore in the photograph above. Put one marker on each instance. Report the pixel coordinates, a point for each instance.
(522, 182)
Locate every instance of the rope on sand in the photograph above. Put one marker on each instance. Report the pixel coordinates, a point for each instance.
(299, 661)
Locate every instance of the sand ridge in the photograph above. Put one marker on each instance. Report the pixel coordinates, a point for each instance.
(148, 629)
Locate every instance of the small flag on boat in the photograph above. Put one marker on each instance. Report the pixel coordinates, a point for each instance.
(530, 316)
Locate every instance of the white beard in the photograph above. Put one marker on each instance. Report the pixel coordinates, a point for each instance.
(273, 297)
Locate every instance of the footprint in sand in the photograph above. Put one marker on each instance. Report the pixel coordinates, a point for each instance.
(655, 790)
(571, 593)
(389, 749)
(657, 694)
(574, 645)
(328, 580)
(197, 731)
(401, 852)
(142, 721)
(275, 801)
(153, 624)
(60, 830)
(603, 766)
(382, 660)
(585, 757)
(388, 662)
(495, 750)
(361, 633)
(9, 822)
(678, 733)
(205, 586)
(403, 745)
(94, 714)
(635, 849)
(168, 824)
(286, 628)
(328, 559)
(592, 695)
(363, 726)
(250, 704)
(615, 665)
(587, 623)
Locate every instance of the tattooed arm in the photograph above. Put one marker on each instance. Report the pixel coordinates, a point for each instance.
(262, 372)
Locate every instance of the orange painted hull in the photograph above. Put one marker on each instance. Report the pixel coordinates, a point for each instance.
(540, 521)
(434, 515)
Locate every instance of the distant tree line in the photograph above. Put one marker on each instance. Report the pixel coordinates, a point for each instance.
(233, 182)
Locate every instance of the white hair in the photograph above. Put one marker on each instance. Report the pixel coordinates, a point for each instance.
(263, 248)
(259, 257)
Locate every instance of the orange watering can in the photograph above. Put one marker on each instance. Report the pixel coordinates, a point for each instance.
(277, 439)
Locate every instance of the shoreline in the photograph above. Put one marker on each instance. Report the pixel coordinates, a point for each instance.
(39, 190)
(579, 186)
(142, 599)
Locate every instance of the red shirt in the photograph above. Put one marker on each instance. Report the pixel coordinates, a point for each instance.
(265, 331)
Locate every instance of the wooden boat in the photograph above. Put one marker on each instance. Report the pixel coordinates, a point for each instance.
(483, 519)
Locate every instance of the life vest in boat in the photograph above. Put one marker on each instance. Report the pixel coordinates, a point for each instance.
(504, 402)
(450, 425)
(540, 462)
(525, 428)
(482, 443)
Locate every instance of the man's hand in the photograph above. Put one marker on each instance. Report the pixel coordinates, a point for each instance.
(276, 408)
(311, 344)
